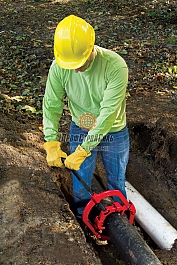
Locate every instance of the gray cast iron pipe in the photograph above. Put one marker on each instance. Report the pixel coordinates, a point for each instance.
(130, 245)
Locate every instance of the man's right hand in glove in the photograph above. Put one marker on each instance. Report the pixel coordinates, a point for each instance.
(54, 154)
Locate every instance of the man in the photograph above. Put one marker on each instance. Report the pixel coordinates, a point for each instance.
(94, 80)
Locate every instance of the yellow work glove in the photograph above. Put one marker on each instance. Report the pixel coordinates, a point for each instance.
(54, 154)
(75, 160)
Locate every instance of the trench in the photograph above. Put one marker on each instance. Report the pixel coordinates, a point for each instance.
(152, 170)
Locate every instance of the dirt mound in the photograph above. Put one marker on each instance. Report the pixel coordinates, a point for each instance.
(37, 226)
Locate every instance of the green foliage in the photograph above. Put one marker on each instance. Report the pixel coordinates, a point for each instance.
(141, 32)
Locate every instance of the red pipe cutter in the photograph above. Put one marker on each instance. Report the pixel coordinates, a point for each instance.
(96, 225)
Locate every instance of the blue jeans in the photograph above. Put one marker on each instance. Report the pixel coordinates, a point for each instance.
(114, 149)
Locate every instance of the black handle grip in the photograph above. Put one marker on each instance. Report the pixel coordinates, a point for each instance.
(79, 178)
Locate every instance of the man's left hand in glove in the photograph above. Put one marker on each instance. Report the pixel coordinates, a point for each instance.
(75, 160)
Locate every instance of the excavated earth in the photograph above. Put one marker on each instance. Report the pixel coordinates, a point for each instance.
(37, 225)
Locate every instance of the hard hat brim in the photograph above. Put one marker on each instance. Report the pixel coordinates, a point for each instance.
(70, 65)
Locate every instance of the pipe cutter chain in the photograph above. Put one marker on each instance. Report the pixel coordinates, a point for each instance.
(96, 224)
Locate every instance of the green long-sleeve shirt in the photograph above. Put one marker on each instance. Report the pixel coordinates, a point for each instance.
(100, 91)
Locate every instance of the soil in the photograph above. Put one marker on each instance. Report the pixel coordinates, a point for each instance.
(37, 224)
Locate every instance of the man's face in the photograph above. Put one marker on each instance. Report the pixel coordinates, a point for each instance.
(87, 63)
(84, 67)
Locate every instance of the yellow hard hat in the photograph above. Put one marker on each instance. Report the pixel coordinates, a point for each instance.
(73, 42)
